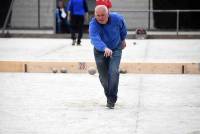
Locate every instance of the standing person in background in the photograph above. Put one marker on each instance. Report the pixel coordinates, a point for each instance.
(61, 17)
(107, 32)
(107, 3)
(77, 13)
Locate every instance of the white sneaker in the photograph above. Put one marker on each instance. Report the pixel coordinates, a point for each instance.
(73, 42)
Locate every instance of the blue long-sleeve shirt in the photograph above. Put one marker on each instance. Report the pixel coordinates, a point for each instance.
(77, 7)
(108, 35)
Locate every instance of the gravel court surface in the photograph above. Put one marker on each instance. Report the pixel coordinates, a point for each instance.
(46, 103)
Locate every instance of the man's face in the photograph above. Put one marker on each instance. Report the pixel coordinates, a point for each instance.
(101, 16)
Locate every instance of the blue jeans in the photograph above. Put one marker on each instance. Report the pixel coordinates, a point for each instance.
(108, 69)
(59, 24)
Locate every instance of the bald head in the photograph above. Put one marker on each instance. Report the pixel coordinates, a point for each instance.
(101, 8)
(101, 14)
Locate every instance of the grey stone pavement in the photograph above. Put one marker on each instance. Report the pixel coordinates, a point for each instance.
(161, 51)
(47, 103)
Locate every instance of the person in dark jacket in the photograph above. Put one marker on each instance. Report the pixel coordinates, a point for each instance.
(61, 17)
(77, 13)
(107, 32)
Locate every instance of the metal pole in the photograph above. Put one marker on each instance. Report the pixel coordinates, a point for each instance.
(177, 22)
(7, 17)
(54, 17)
(149, 15)
(39, 14)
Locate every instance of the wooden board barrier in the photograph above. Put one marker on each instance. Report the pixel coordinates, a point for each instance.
(11, 66)
(82, 67)
(48, 67)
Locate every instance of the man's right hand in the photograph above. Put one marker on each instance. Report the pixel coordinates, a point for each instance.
(108, 52)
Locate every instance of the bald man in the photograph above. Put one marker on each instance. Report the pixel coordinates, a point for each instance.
(107, 32)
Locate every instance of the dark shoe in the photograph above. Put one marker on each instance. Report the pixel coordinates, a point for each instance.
(78, 43)
(110, 105)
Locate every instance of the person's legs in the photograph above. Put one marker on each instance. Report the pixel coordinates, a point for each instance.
(102, 67)
(108, 69)
(80, 24)
(73, 29)
(58, 22)
(67, 25)
(113, 75)
(58, 26)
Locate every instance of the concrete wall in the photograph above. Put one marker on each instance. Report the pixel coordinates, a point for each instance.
(133, 19)
(47, 13)
(25, 14)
